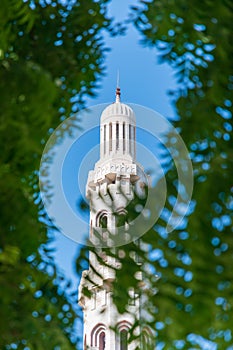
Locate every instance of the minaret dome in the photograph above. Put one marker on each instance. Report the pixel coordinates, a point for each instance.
(118, 109)
(117, 130)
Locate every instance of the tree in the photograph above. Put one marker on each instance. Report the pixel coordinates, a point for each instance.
(51, 54)
(195, 293)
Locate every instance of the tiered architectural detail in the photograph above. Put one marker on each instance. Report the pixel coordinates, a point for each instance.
(110, 187)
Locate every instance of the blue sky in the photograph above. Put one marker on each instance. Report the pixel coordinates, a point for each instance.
(143, 81)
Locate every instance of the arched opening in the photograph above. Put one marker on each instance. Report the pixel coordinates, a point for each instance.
(124, 339)
(147, 339)
(123, 329)
(110, 137)
(117, 136)
(144, 342)
(121, 218)
(130, 137)
(102, 220)
(98, 337)
(102, 341)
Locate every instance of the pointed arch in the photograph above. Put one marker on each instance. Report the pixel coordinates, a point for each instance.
(98, 335)
(121, 217)
(123, 328)
(147, 339)
(124, 325)
(102, 219)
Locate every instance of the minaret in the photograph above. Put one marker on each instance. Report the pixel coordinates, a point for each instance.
(110, 188)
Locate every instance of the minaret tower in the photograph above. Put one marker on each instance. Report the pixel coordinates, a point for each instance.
(110, 188)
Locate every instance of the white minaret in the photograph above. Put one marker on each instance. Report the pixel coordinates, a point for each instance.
(110, 187)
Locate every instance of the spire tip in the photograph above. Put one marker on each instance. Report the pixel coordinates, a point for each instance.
(118, 90)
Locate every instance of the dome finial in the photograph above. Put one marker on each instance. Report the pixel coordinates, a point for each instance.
(118, 90)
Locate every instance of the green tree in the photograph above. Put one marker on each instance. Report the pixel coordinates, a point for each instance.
(51, 54)
(196, 283)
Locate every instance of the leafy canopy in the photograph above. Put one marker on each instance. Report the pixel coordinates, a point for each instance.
(51, 55)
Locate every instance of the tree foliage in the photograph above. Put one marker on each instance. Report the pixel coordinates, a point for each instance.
(195, 261)
(51, 54)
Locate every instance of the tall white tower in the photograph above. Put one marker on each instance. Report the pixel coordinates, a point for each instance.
(110, 188)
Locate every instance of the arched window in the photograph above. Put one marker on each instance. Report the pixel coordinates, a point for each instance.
(110, 137)
(147, 339)
(123, 329)
(98, 337)
(120, 217)
(144, 341)
(117, 136)
(124, 339)
(102, 219)
(102, 341)
(123, 136)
